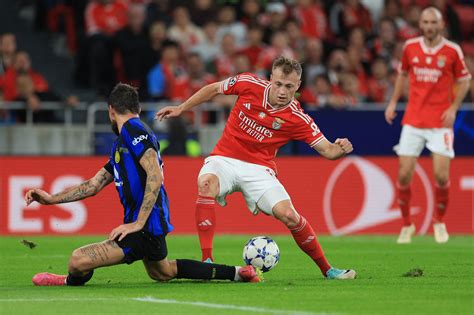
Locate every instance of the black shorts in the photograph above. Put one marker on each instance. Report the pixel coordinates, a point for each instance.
(143, 244)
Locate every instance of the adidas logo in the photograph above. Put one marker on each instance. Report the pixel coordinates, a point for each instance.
(205, 223)
(415, 60)
(247, 105)
(309, 239)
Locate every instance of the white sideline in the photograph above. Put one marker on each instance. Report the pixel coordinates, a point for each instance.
(150, 299)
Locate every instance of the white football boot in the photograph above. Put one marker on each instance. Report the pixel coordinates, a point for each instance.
(440, 233)
(405, 234)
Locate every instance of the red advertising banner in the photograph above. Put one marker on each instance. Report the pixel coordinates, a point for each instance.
(354, 195)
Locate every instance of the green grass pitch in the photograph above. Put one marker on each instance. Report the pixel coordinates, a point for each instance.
(295, 286)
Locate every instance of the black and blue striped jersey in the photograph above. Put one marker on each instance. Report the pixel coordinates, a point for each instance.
(130, 178)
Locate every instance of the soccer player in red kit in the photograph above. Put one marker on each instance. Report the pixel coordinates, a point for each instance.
(265, 117)
(433, 65)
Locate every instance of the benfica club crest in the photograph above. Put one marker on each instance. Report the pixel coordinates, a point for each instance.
(277, 123)
(441, 61)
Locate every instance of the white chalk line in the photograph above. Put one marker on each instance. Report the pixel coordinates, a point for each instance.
(149, 299)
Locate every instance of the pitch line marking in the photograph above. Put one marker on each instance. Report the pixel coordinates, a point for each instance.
(150, 299)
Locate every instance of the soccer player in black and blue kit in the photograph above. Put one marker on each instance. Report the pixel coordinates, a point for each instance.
(136, 168)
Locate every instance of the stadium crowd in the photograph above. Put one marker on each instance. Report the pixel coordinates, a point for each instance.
(349, 49)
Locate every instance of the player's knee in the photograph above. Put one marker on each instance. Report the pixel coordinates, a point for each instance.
(206, 187)
(289, 217)
(162, 276)
(441, 179)
(77, 262)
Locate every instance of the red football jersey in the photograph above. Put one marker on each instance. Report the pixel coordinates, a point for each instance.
(433, 72)
(255, 130)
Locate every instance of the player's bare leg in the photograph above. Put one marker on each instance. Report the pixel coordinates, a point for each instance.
(406, 169)
(82, 263)
(441, 166)
(306, 239)
(208, 187)
(165, 270)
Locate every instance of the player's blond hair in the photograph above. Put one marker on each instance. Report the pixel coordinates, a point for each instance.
(287, 65)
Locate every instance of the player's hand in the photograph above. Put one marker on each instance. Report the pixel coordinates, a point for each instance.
(38, 195)
(390, 112)
(168, 112)
(448, 117)
(123, 230)
(344, 144)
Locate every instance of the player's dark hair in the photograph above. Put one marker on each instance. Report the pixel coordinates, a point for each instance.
(287, 65)
(124, 98)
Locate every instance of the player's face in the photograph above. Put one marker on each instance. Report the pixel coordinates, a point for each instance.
(113, 121)
(431, 24)
(283, 87)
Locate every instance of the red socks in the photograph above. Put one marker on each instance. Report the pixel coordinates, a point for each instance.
(403, 198)
(306, 239)
(206, 224)
(441, 200)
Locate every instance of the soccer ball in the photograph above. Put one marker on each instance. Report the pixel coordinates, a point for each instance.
(261, 252)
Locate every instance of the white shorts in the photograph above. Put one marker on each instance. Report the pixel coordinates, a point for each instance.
(437, 140)
(259, 185)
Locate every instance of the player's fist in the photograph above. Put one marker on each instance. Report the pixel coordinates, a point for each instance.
(168, 112)
(344, 144)
(38, 195)
(448, 117)
(390, 113)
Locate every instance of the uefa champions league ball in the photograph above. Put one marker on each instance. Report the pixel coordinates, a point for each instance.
(261, 252)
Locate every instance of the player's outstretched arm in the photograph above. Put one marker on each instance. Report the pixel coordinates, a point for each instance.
(205, 94)
(86, 189)
(390, 113)
(334, 151)
(154, 179)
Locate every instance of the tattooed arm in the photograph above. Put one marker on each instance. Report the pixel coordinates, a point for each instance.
(86, 189)
(154, 179)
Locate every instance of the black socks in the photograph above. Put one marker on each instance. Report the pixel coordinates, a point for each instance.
(78, 280)
(191, 269)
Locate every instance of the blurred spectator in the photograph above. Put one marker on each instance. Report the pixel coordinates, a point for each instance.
(209, 47)
(7, 51)
(338, 65)
(353, 14)
(375, 7)
(158, 11)
(254, 46)
(312, 18)
(313, 61)
(279, 47)
(451, 18)
(184, 31)
(350, 90)
(157, 35)
(356, 67)
(168, 79)
(296, 38)
(22, 65)
(379, 85)
(470, 66)
(133, 56)
(224, 61)
(251, 12)
(357, 40)
(198, 77)
(410, 29)
(276, 20)
(393, 11)
(228, 24)
(317, 94)
(242, 64)
(203, 11)
(103, 18)
(384, 43)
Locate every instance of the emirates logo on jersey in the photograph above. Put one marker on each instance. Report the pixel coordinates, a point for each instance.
(277, 123)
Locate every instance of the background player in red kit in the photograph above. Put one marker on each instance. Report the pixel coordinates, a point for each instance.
(265, 117)
(433, 64)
